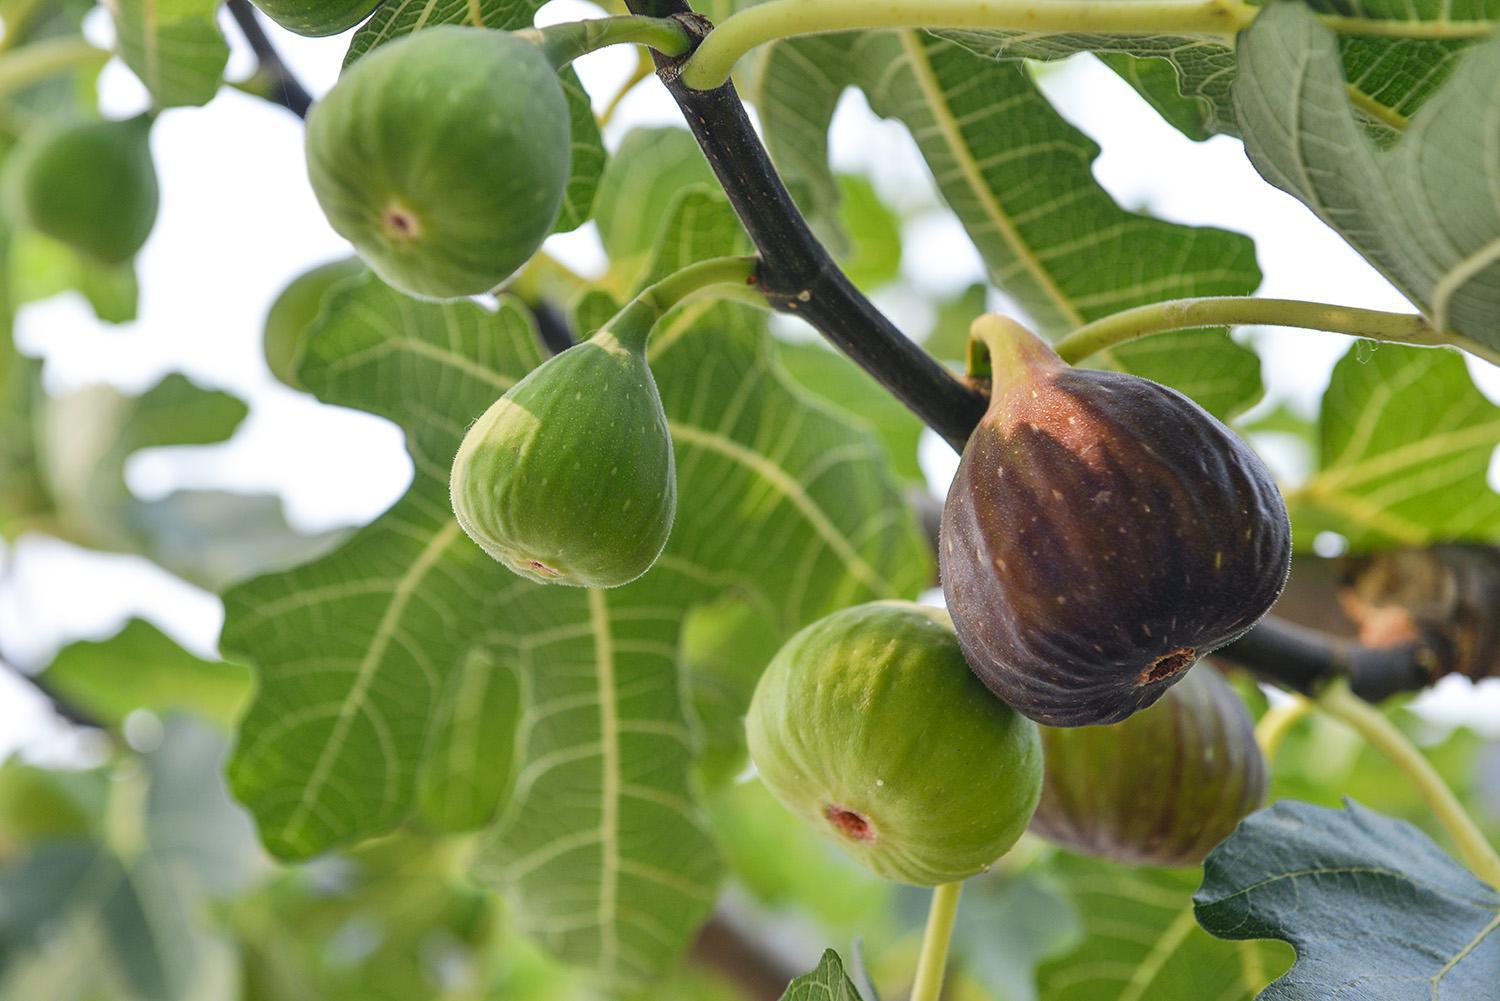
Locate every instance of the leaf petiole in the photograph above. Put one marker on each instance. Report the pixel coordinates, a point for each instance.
(710, 65)
(1230, 311)
(1371, 724)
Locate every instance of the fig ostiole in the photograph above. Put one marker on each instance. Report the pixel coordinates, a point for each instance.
(443, 157)
(1101, 534)
(1161, 788)
(293, 312)
(91, 185)
(870, 727)
(569, 477)
(317, 17)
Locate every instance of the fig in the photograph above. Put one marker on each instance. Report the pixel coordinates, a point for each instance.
(294, 311)
(1161, 788)
(443, 157)
(317, 17)
(869, 726)
(569, 477)
(1101, 534)
(90, 184)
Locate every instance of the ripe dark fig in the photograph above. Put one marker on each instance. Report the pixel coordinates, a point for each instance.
(869, 726)
(443, 157)
(91, 185)
(1163, 787)
(1102, 533)
(569, 477)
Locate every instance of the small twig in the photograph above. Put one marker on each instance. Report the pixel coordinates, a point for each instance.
(281, 85)
(799, 276)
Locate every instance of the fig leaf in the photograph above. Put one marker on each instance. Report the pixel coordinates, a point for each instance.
(1373, 907)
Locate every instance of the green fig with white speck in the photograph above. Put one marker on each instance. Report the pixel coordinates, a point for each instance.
(569, 477)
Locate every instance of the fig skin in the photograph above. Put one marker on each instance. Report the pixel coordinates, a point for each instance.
(1163, 787)
(91, 185)
(443, 157)
(569, 477)
(1102, 533)
(317, 17)
(293, 312)
(870, 727)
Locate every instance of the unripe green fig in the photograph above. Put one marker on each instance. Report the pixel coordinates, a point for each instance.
(1102, 533)
(317, 17)
(293, 312)
(569, 477)
(443, 157)
(91, 185)
(1163, 787)
(869, 726)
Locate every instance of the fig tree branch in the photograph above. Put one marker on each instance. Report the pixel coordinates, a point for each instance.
(1232, 311)
(273, 79)
(798, 276)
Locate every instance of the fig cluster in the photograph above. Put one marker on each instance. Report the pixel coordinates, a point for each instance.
(443, 157)
(89, 184)
(869, 726)
(569, 477)
(1161, 788)
(1103, 533)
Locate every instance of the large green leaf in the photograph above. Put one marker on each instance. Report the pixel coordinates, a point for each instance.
(174, 46)
(1018, 177)
(398, 18)
(1140, 941)
(140, 667)
(1406, 441)
(600, 844)
(1373, 907)
(1425, 213)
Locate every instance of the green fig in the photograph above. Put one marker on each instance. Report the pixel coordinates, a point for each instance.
(1163, 787)
(443, 157)
(569, 477)
(869, 725)
(91, 185)
(317, 17)
(293, 312)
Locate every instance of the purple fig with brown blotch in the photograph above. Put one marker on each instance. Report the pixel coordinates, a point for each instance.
(1161, 788)
(1102, 533)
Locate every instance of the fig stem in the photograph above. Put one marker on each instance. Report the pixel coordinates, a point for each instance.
(1477, 853)
(933, 960)
(1230, 311)
(742, 31)
(566, 42)
(729, 277)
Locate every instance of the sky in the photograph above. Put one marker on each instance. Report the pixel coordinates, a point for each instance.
(238, 221)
